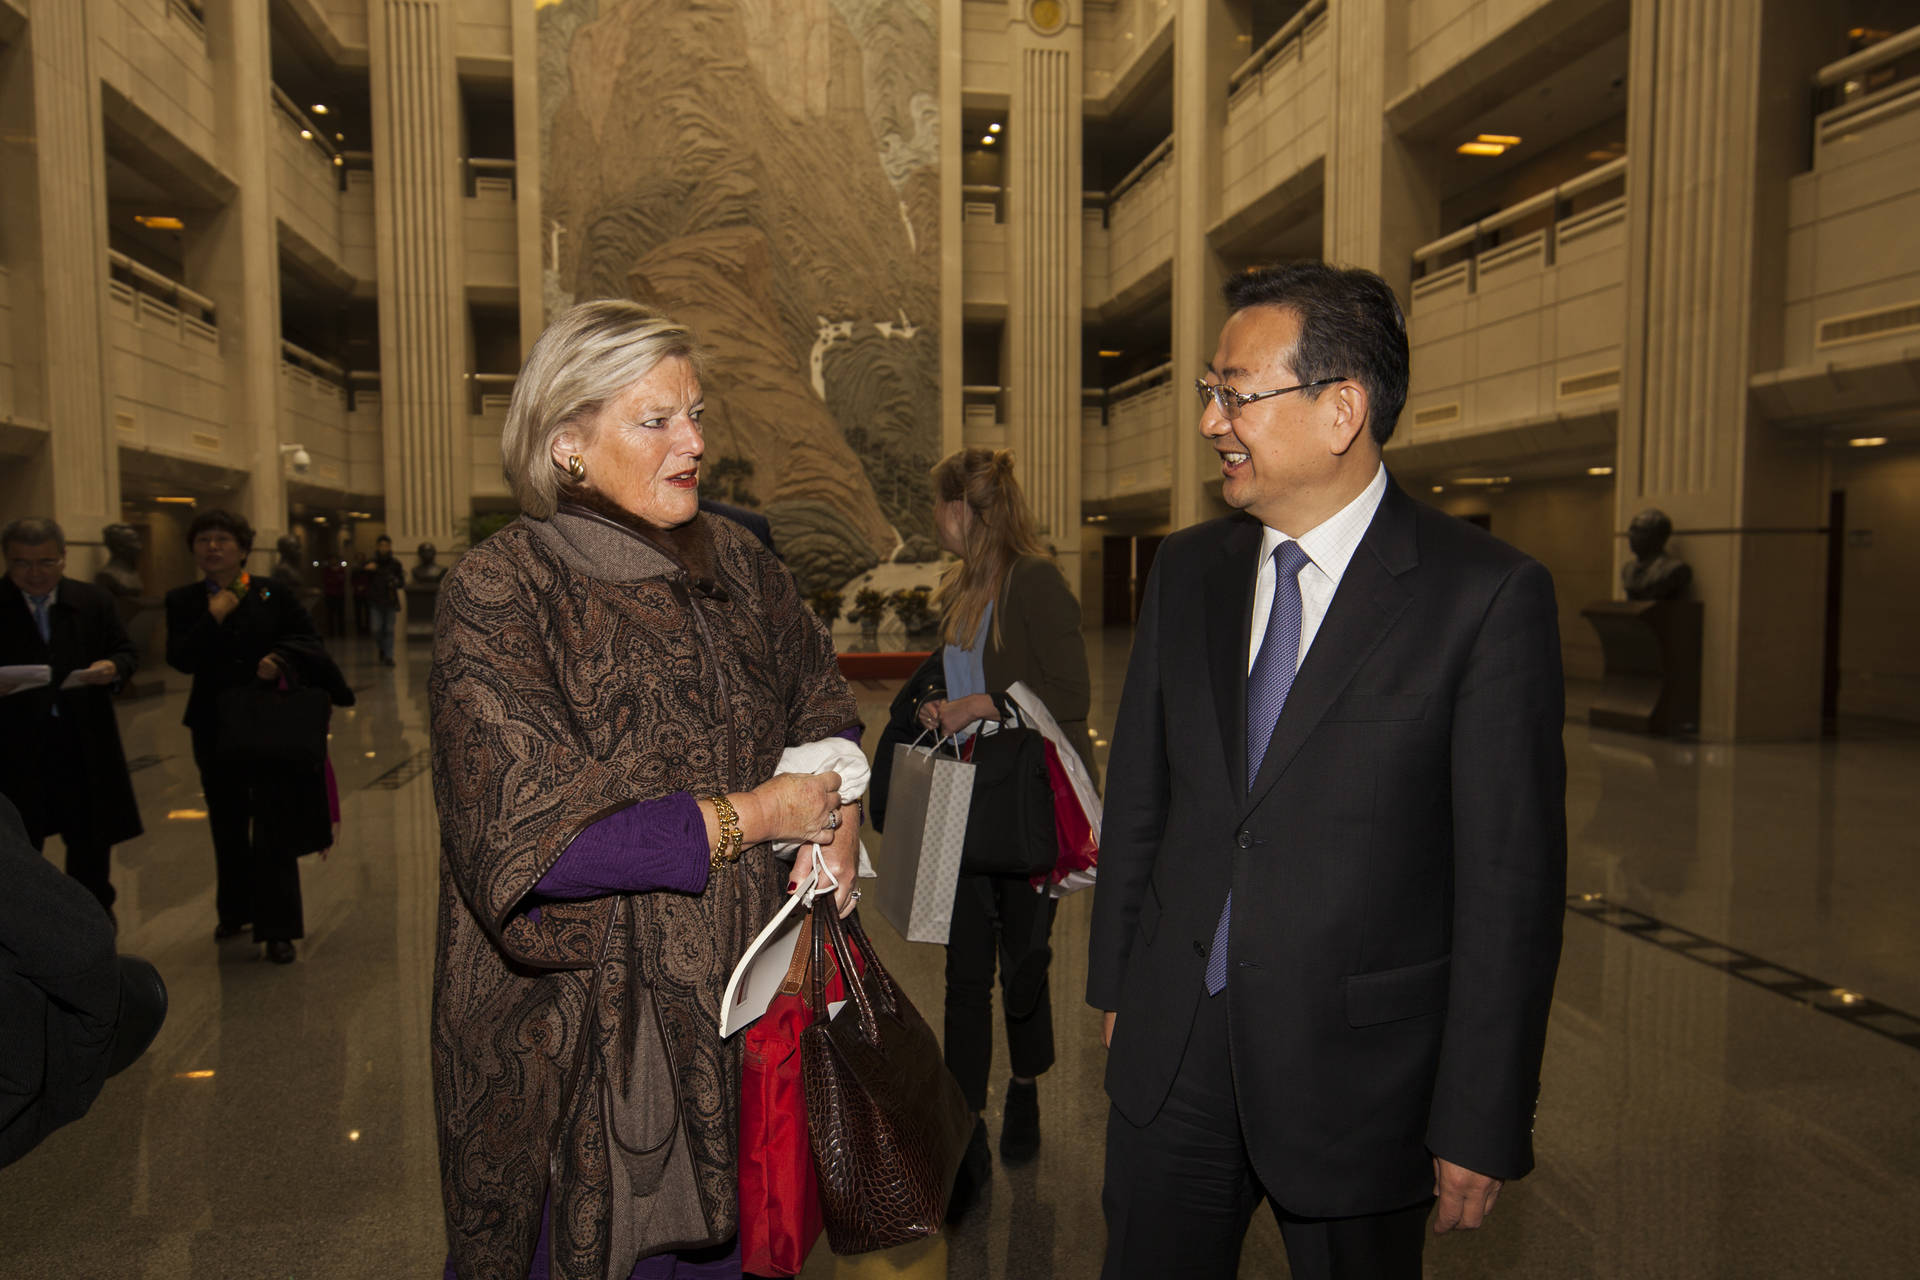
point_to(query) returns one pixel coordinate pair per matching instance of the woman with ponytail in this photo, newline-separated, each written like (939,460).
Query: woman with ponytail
(1006,615)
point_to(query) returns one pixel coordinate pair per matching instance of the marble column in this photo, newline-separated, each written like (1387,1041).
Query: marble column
(1206,48)
(1044,261)
(1717,121)
(952,237)
(419,249)
(1379,205)
(236,262)
(82,475)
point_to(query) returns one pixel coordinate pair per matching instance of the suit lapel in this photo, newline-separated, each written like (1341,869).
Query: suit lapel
(17,625)
(1368,603)
(1227,593)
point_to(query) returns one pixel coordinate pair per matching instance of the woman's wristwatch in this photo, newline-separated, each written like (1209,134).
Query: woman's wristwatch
(727,851)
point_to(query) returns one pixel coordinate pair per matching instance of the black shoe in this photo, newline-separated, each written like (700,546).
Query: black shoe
(280,951)
(1020,1130)
(976,1167)
(221,932)
(143,1007)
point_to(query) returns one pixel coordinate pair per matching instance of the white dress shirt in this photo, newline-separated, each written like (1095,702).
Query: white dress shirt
(1329,546)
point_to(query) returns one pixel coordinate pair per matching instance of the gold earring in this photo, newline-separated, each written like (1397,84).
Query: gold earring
(575,467)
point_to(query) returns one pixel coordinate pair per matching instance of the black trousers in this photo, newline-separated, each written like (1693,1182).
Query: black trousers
(252,884)
(1181,1190)
(998,916)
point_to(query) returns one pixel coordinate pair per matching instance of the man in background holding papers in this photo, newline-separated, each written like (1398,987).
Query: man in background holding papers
(62,654)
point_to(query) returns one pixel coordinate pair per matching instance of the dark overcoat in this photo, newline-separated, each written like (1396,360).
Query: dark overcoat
(91,799)
(580,667)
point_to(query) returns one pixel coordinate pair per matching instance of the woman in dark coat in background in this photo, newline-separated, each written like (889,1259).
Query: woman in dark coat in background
(229,630)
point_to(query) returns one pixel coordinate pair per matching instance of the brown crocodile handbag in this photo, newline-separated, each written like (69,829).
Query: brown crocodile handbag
(885,1118)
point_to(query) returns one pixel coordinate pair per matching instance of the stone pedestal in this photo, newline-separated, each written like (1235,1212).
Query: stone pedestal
(1652,654)
(422,599)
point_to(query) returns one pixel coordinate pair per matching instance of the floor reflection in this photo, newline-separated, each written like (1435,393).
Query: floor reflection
(1695,1121)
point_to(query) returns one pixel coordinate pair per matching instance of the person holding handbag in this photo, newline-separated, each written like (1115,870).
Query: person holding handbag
(617,678)
(232,632)
(1007,615)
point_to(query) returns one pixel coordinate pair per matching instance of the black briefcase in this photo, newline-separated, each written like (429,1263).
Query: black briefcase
(1010,828)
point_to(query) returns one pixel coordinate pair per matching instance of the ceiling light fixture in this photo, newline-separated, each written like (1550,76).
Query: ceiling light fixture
(986,140)
(1867,442)
(1109,353)
(185,502)
(994,127)
(1481,149)
(319,108)
(306,135)
(1483,480)
(1498,139)
(159,222)
(1599,471)
(1439,488)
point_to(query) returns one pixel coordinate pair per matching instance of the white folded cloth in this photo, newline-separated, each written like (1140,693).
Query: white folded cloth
(830,755)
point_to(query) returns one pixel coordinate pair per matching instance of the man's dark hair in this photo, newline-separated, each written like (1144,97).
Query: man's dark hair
(1350,327)
(34,531)
(218,518)
(383,538)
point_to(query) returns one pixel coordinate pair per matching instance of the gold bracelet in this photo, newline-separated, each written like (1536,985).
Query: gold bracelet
(727,852)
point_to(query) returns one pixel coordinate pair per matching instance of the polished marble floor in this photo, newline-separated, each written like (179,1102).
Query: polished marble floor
(1732,1084)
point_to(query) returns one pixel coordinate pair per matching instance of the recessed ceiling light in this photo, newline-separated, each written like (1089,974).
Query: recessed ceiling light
(1499,139)
(994,127)
(1483,480)
(986,140)
(1867,442)
(306,135)
(159,222)
(1108,353)
(185,502)
(1599,471)
(1439,488)
(1481,149)
(319,108)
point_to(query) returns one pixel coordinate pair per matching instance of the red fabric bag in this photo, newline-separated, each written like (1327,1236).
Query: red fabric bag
(1078,848)
(779,1190)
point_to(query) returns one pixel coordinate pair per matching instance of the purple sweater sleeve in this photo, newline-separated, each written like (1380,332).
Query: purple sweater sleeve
(649,845)
(652,844)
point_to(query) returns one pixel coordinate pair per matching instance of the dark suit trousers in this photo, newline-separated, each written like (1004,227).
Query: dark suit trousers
(998,915)
(252,883)
(1180,1191)
(89,860)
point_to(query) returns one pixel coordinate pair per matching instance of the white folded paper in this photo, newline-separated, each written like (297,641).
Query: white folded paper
(757,978)
(30,675)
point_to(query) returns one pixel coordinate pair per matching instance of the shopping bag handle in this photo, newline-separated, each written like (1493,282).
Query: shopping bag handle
(951,738)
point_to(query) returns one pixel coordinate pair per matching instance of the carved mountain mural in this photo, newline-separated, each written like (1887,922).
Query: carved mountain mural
(767,172)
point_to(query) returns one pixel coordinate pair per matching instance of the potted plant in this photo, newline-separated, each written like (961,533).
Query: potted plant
(869,606)
(826,604)
(914,608)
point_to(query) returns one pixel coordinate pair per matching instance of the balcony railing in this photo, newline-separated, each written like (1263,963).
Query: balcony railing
(1539,222)
(1868,89)
(1140,220)
(143,279)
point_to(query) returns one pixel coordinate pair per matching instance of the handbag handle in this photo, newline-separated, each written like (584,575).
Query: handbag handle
(835,928)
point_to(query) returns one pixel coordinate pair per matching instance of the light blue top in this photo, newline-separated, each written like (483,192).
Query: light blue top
(966,669)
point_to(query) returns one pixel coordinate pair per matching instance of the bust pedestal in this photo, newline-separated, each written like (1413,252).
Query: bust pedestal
(1652,654)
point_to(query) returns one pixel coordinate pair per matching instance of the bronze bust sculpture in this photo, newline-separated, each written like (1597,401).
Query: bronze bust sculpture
(287,569)
(120,577)
(1652,574)
(427,572)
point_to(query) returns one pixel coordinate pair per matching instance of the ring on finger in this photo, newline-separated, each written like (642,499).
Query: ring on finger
(833,821)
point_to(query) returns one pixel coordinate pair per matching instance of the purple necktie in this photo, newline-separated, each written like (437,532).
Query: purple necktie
(1267,687)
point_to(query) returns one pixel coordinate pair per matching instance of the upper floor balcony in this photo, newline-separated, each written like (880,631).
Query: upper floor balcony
(1853,260)
(1520,319)
(315,412)
(153,55)
(317,197)
(1131,451)
(489,396)
(492,227)
(1276,111)
(1139,230)
(165,372)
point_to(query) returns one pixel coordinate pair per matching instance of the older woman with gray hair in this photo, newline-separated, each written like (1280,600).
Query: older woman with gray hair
(616,677)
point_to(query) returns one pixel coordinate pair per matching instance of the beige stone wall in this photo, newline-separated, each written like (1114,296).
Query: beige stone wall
(1880,610)
(1567,525)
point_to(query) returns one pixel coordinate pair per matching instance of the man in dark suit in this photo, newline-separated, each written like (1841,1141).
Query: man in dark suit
(61,762)
(1334,857)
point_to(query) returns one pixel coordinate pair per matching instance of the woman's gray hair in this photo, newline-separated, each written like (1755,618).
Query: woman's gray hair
(590,354)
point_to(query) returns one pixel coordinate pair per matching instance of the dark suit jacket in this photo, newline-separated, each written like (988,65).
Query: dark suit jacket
(89,798)
(226,655)
(1398,869)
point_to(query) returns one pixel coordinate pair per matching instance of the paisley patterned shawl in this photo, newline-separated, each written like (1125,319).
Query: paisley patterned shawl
(578,668)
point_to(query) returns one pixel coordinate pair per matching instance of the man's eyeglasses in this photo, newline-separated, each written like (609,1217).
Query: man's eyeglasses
(1231,402)
(28,566)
